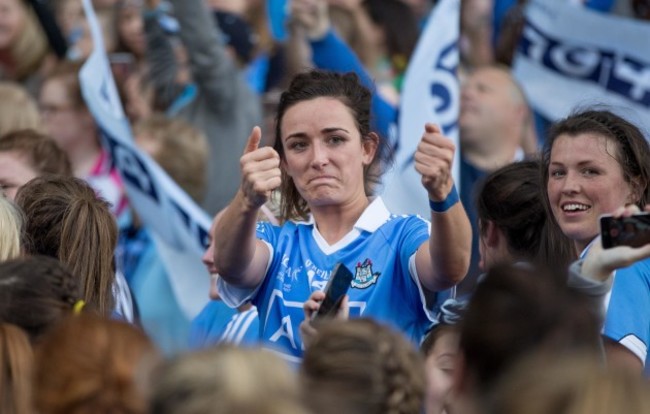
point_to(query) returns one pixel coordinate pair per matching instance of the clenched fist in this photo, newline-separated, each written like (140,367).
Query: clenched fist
(260,169)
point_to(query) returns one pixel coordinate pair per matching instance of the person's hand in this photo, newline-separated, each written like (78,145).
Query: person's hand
(307,328)
(260,169)
(312,15)
(599,263)
(433,159)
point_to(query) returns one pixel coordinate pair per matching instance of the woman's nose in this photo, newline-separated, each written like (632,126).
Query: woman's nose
(571,184)
(320,156)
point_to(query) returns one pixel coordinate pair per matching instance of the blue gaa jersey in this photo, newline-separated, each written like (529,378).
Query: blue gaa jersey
(628,311)
(380,251)
(243,328)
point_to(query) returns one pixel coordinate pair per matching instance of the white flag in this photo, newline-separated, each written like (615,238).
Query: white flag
(430,93)
(572,57)
(179,227)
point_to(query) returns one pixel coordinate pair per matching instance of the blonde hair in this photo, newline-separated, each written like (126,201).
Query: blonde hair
(31,47)
(180,149)
(11,230)
(16,365)
(224,380)
(18,110)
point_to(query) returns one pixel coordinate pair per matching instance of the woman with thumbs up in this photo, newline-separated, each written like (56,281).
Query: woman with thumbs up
(325,163)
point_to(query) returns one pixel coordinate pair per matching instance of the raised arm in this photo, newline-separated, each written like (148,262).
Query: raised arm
(213,69)
(443,260)
(239,257)
(330,52)
(162,67)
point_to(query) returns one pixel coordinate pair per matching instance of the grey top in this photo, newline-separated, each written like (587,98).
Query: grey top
(225,108)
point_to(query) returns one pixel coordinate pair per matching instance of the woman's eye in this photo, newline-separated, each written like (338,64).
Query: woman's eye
(297,145)
(336,139)
(590,171)
(557,173)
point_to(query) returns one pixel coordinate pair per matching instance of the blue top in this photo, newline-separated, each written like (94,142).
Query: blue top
(627,320)
(380,251)
(209,325)
(159,312)
(243,328)
(332,53)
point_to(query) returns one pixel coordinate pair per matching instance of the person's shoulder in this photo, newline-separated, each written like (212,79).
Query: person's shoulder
(407,219)
(639,269)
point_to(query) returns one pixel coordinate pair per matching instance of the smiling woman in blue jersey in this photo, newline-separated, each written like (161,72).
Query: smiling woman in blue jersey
(326,163)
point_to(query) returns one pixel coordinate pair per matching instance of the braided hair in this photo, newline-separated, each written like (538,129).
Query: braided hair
(362,366)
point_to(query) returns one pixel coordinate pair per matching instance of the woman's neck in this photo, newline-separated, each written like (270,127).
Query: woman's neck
(334,222)
(83,158)
(581,245)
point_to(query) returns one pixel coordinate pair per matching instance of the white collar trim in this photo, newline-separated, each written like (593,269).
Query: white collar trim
(370,220)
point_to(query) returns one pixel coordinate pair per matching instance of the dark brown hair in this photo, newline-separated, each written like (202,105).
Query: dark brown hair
(518,310)
(512,198)
(36,293)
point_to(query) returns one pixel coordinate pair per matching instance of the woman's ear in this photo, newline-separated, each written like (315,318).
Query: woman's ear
(370,144)
(492,234)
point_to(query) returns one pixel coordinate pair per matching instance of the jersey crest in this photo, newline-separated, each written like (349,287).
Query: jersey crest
(364,276)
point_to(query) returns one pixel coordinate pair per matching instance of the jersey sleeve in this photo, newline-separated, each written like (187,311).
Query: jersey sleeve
(628,312)
(234,296)
(416,232)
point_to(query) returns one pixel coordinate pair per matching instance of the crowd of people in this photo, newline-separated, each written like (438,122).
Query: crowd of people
(502,300)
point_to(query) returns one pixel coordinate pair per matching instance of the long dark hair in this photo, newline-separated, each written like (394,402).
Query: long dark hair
(512,198)
(632,154)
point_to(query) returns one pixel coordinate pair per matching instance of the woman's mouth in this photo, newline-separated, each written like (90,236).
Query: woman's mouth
(575,207)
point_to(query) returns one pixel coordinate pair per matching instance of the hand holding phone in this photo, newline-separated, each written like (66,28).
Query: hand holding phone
(632,231)
(335,291)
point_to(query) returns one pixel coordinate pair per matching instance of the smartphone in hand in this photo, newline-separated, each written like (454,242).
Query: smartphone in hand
(633,231)
(335,290)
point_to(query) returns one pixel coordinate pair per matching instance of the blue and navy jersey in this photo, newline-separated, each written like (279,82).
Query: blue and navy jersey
(380,251)
(209,325)
(243,328)
(627,320)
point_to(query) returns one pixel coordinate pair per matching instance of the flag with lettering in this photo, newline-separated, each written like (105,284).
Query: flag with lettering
(571,57)
(179,227)
(430,93)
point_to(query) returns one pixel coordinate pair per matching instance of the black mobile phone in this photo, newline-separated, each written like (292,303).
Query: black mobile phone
(633,231)
(335,290)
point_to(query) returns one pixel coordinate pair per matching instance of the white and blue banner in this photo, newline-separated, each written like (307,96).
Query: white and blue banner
(572,57)
(179,227)
(430,93)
